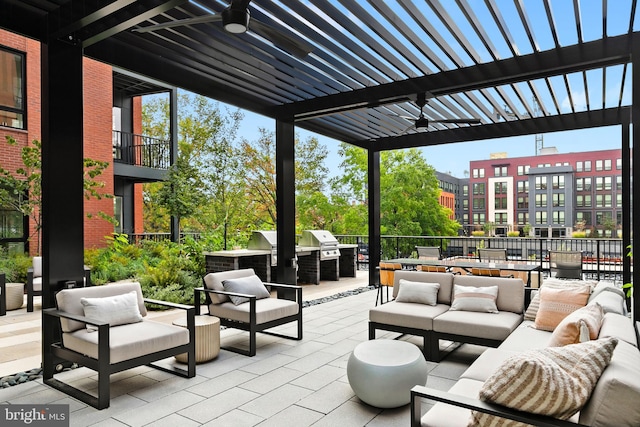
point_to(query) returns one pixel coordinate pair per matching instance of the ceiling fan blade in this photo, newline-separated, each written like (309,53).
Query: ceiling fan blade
(179,22)
(454,121)
(284,41)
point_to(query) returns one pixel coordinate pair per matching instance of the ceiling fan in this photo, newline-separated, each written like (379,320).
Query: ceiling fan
(423,122)
(236,19)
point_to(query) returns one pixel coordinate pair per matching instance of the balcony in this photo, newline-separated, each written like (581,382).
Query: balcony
(141,150)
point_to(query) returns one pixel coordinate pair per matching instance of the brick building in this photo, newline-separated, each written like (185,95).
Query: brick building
(112,133)
(552,192)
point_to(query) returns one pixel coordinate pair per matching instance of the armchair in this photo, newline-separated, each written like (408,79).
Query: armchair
(566,264)
(492,255)
(103,328)
(428,252)
(258,313)
(34,280)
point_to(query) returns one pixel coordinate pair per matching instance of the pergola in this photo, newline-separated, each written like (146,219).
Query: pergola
(347,69)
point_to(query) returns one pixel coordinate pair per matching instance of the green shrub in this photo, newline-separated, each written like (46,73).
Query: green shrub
(513,234)
(14,266)
(579,234)
(477,233)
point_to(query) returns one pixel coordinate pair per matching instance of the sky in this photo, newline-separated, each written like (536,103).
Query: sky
(454,158)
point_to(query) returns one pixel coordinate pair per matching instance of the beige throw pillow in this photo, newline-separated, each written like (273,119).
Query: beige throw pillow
(534,305)
(116,310)
(417,292)
(249,285)
(471,298)
(554,381)
(580,326)
(556,304)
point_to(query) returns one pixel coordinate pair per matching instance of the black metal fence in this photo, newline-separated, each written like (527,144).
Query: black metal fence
(140,150)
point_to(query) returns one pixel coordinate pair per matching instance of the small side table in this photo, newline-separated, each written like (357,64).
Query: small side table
(15,295)
(207,338)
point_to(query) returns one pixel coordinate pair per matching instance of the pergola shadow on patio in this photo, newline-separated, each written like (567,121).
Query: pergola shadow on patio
(339,69)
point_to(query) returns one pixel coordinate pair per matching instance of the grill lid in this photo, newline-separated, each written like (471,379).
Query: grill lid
(317,238)
(263,239)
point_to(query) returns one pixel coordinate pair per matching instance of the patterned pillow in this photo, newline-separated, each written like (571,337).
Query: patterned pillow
(554,381)
(580,326)
(556,304)
(418,292)
(534,305)
(471,298)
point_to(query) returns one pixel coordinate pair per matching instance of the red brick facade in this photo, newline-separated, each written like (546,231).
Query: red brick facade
(97,128)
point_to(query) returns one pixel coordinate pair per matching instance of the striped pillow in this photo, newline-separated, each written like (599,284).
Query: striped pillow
(471,298)
(556,304)
(534,305)
(554,381)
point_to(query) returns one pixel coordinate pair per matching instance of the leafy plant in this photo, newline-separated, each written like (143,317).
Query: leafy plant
(629,286)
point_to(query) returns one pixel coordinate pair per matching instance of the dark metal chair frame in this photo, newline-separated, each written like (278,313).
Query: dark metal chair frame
(489,255)
(31,292)
(55,353)
(566,264)
(284,291)
(429,251)
(3,294)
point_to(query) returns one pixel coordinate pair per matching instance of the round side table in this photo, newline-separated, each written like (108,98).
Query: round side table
(383,372)
(15,295)
(207,338)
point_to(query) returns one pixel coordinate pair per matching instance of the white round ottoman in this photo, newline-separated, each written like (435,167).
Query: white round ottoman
(383,372)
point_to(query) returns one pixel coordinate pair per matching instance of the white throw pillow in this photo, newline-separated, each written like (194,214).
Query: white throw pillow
(418,292)
(471,298)
(116,310)
(250,285)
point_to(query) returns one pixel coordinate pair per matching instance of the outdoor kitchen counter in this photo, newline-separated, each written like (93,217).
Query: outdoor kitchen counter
(236,259)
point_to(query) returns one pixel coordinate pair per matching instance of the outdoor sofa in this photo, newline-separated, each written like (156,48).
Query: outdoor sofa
(606,392)
(436,322)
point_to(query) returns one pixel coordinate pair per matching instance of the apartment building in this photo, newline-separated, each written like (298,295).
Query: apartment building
(555,193)
(112,133)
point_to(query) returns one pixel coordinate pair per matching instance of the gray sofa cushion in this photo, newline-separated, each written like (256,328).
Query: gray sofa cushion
(267,309)
(444,279)
(493,326)
(128,341)
(619,326)
(526,337)
(407,314)
(614,401)
(486,364)
(443,415)
(510,291)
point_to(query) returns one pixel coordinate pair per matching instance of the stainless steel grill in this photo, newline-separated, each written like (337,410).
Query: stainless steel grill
(323,240)
(265,240)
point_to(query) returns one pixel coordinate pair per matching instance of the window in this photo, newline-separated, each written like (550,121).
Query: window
(465,190)
(558,217)
(599,200)
(501,218)
(478,173)
(608,201)
(523,202)
(478,218)
(523,218)
(541,200)
(465,204)
(12,89)
(541,217)
(521,170)
(523,186)
(478,188)
(599,166)
(558,200)
(541,182)
(607,164)
(607,182)
(579,167)
(558,182)
(13,229)
(584,216)
(618,183)
(500,203)
(603,216)
(618,164)
(583,184)
(501,187)
(619,200)
(587,166)
(465,218)
(600,182)
(478,203)
(500,171)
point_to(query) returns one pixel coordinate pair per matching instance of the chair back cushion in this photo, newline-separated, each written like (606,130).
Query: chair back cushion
(68,300)
(214,281)
(444,279)
(510,291)
(37,266)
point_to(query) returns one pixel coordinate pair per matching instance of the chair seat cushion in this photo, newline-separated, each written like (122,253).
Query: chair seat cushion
(493,326)
(407,314)
(267,309)
(37,284)
(128,341)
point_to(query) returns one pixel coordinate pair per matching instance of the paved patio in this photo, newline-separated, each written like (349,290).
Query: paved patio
(288,383)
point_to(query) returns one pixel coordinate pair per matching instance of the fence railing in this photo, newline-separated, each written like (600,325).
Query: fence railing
(141,150)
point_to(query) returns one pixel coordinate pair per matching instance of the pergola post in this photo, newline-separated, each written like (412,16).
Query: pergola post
(286,271)
(373,195)
(173,151)
(635,172)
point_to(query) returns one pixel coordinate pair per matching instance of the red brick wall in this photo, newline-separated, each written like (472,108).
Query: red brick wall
(98,105)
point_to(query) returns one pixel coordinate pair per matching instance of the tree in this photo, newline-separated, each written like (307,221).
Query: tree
(202,187)
(409,192)
(260,178)
(21,190)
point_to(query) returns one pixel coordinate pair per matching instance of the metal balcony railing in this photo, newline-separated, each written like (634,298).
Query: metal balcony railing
(140,150)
